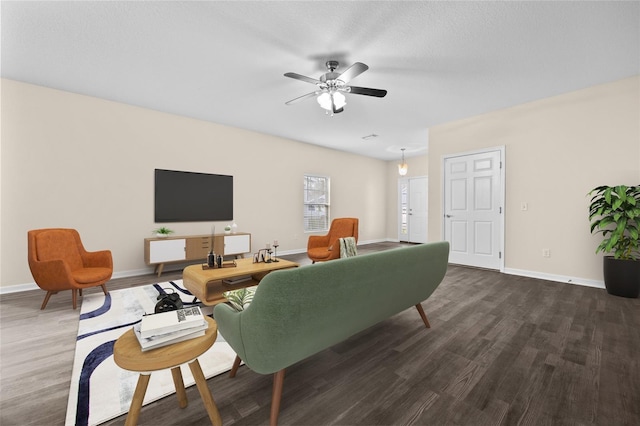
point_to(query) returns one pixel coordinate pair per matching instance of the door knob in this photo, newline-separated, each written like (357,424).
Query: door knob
(448,215)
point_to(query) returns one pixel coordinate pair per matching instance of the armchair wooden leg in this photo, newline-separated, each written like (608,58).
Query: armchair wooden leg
(74,297)
(104,289)
(423,315)
(46,299)
(278,381)
(234,369)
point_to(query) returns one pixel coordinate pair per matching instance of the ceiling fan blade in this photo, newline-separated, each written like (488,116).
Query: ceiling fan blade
(353,71)
(302,98)
(302,77)
(378,93)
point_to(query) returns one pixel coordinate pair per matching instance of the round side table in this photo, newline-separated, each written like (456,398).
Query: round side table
(128,355)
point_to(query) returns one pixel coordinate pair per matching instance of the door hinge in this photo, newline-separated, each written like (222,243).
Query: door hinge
(501,164)
(499,255)
(500,210)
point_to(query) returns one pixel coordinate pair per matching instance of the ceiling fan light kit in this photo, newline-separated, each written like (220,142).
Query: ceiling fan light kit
(332,101)
(333,85)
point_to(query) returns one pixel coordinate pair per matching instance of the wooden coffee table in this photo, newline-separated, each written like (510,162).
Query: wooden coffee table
(207,284)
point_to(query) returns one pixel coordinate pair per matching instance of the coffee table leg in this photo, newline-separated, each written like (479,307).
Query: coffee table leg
(138,398)
(205,393)
(181,393)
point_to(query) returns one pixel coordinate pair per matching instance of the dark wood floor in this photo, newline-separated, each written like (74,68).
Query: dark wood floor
(501,350)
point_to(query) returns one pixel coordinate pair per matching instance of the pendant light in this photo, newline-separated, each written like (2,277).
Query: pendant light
(403,168)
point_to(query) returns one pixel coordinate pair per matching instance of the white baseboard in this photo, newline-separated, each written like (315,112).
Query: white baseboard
(33,286)
(18,288)
(137,272)
(553,277)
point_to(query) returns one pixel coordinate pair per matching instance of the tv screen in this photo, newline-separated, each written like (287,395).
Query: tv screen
(192,197)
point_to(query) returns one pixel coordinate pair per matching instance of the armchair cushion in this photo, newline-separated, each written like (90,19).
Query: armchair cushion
(91,275)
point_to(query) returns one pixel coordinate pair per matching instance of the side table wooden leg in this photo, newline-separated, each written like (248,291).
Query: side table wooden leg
(181,393)
(138,398)
(205,393)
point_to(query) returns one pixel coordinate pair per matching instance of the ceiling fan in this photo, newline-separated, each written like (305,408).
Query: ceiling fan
(332,85)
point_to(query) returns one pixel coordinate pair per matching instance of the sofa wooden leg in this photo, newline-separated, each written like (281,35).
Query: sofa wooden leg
(278,381)
(104,289)
(46,299)
(74,297)
(423,315)
(234,369)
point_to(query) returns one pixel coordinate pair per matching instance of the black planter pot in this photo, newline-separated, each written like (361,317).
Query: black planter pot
(622,277)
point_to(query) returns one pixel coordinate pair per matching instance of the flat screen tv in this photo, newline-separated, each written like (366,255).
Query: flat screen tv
(192,197)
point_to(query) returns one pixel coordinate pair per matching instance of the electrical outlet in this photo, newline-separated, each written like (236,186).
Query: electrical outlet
(546,252)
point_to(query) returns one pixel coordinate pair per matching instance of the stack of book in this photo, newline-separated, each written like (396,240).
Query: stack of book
(167,328)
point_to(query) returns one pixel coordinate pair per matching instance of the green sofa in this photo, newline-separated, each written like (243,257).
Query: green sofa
(298,312)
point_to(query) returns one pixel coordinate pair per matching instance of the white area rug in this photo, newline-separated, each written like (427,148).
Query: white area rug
(100,390)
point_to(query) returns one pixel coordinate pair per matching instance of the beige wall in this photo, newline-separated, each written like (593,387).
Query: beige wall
(82,162)
(557,150)
(87,163)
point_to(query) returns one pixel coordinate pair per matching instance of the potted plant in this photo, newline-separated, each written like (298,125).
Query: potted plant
(615,213)
(227,229)
(163,232)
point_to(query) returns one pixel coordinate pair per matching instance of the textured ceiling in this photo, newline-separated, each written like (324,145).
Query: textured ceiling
(224,61)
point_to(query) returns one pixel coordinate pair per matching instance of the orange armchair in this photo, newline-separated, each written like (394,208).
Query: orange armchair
(58,261)
(321,248)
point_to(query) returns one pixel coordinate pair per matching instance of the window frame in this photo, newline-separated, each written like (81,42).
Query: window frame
(307,218)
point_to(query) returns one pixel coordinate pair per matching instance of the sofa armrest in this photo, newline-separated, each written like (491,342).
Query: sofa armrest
(228,320)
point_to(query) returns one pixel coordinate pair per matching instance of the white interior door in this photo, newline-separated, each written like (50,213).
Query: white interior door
(418,203)
(473,199)
(412,210)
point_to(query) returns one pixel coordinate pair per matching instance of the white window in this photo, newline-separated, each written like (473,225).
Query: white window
(316,203)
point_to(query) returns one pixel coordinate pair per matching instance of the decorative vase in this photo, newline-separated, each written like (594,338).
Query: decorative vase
(234,228)
(162,235)
(622,277)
